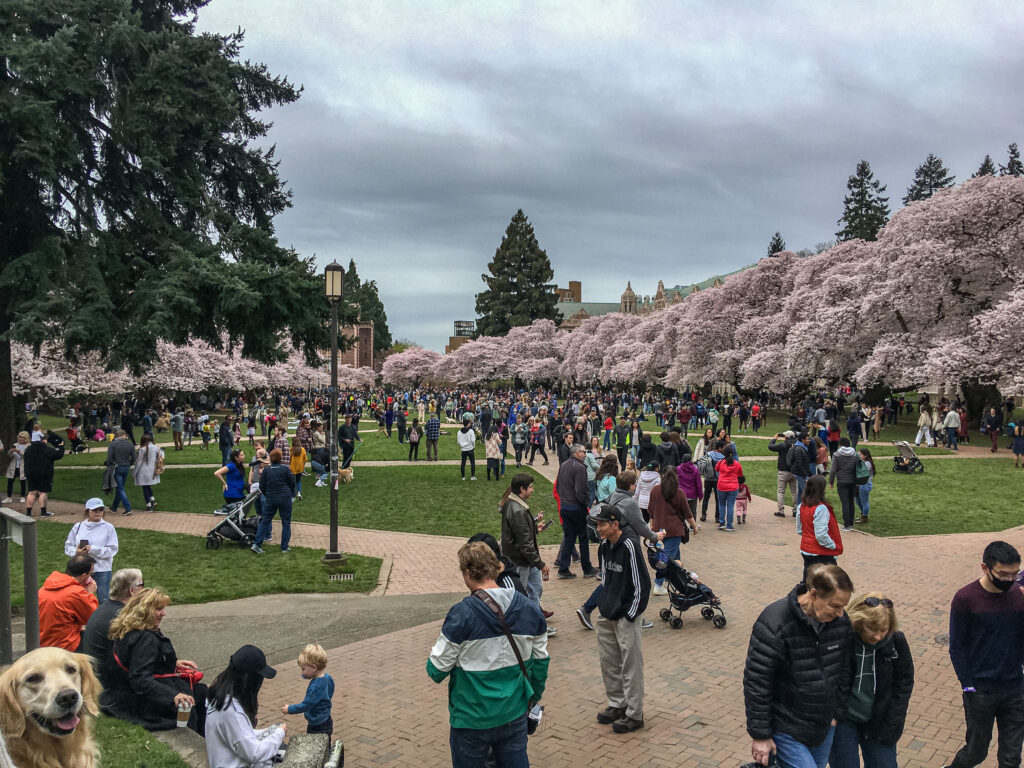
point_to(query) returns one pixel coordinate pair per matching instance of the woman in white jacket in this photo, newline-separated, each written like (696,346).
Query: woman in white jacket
(144,473)
(96,537)
(232,739)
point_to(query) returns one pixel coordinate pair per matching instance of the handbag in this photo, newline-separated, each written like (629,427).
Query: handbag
(534,712)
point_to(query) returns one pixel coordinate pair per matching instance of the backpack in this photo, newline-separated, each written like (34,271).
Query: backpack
(706,466)
(863,475)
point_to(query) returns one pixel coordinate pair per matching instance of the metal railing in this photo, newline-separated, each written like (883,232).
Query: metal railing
(21,529)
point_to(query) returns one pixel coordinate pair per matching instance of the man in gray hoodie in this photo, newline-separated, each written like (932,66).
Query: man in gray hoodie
(843,473)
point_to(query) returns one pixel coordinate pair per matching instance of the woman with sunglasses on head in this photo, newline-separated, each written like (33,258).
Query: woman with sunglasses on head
(883,679)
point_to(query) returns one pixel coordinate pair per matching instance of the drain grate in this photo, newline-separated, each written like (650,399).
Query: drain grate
(341,577)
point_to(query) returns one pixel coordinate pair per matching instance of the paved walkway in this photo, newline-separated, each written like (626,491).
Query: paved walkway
(389,713)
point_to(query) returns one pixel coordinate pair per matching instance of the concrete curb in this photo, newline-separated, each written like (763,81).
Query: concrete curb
(383,576)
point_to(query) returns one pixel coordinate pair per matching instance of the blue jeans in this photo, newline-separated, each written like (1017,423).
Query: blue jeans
(607,439)
(533,582)
(574,528)
(951,438)
(470,747)
(728,502)
(862,498)
(320,470)
(591,603)
(102,579)
(854,438)
(298,483)
(272,506)
(120,497)
(592,490)
(801,483)
(672,550)
(225,455)
(794,754)
(846,742)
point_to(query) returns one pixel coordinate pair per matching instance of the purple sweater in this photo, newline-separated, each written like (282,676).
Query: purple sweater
(690,482)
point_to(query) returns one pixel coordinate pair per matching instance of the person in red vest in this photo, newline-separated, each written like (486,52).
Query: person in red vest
(820,540)
(66,601)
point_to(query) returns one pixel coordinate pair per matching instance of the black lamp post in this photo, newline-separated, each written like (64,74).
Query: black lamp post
(334,289)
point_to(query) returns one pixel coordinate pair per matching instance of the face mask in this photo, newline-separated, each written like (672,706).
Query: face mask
(1003,585)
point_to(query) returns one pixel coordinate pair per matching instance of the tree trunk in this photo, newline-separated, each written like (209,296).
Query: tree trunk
(979,398)
(9,410)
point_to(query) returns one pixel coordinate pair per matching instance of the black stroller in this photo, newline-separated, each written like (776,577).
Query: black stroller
(907,461)
(238,524)
(684,591)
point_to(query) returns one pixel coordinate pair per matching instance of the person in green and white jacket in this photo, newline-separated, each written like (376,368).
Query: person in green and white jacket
(488,694)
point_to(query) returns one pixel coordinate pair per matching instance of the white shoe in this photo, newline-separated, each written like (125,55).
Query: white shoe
(6,501)
(298,495)
(318,484)
(659,591)
(22,499)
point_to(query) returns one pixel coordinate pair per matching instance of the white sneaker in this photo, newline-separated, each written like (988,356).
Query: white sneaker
(6,501)
(318,484)
(659,591)
(298,495)
(22,499)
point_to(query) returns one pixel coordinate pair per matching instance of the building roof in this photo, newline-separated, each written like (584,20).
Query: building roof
(685,289)
(569,308)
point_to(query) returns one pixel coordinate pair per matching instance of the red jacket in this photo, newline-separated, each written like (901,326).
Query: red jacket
(64,608)
(728,476)
(808,541)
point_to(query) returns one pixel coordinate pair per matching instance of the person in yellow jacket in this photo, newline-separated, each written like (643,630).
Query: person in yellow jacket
(297,464)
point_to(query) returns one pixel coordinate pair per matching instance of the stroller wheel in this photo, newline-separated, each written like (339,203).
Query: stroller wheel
(707,613)
(212,542)
(676,623)
(719,622)
(919,469)
(665,614)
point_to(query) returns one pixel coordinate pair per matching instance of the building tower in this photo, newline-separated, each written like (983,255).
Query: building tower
(627,302)
(660,302)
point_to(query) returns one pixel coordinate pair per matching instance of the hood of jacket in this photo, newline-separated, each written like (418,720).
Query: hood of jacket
(57,581)
(649,475)
(465,429)
(846,451)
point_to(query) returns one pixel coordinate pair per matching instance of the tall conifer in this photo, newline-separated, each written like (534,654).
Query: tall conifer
(865,210)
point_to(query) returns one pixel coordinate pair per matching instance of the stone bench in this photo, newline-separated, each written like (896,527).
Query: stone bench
(305,750)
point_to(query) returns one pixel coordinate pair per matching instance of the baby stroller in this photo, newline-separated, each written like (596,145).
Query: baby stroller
(907,461)
(78,445)
(685,591)
(237,525)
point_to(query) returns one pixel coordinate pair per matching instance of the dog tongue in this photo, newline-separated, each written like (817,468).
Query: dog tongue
(68,723)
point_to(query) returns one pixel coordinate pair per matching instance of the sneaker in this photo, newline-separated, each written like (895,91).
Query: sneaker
(256,549)
(48,513)
(318,484)
(659,590)
(645,624)
(780,514)
(575,556)
(6,501)
(473,477)
(22,499)
(721,527)
(298,496)
(590,574)
(268,540)
(127,512)
(627,724)
(847,527)
(285,550)
(584,617)
(566,575)
(730,530)
(463,478)
(609,715)
(552,631)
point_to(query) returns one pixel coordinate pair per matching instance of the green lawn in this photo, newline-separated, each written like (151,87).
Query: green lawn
(123,745)
(415,499)
(952,496)
(190,573)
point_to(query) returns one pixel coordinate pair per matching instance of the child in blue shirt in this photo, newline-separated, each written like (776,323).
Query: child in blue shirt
(317,704)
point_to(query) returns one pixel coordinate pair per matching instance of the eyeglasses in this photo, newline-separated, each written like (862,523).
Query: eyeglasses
(874,602)
(1005,576)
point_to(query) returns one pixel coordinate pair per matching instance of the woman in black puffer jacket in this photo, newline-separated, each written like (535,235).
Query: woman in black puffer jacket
(883,679)
(797,677)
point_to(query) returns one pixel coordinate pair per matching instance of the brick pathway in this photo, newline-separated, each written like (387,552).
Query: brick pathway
(389,713)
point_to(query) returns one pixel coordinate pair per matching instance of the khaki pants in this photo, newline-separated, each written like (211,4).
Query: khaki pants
(786,478)
(622,664)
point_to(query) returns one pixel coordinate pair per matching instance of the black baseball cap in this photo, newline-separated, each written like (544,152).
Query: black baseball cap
(249,658)
(609,513)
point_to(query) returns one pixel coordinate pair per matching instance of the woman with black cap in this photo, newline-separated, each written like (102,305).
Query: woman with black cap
(232,740)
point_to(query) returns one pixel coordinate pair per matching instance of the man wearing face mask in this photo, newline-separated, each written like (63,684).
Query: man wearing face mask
(986,646)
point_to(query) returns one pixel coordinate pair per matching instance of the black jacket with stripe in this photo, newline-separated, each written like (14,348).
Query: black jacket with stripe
(627,583)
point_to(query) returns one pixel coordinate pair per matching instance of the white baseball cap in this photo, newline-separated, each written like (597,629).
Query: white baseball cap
(95,503)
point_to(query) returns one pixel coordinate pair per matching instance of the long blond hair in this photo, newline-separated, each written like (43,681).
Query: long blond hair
(139,612)
(872,617)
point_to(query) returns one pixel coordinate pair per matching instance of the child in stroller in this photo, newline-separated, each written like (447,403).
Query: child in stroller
(237,525)
(907,461)
(685,590)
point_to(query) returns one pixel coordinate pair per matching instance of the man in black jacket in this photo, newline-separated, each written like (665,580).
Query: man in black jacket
(565,448)
(627,585)
(800,466)
(785,477)
(573,498)
(225,440)
(797,676)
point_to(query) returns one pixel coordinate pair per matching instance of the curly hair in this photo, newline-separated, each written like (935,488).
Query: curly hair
(477,560)
(139,612)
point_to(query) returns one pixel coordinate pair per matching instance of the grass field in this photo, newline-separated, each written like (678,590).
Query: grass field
(123,745)
(952,496)
(190,573)
(414,499)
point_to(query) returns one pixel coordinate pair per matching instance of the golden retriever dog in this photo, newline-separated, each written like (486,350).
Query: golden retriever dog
(48,699)
(345,476)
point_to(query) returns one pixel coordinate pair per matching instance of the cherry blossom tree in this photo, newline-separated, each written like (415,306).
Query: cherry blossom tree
(410,367)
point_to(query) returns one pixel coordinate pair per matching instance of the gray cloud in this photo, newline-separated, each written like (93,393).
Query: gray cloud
(644,141)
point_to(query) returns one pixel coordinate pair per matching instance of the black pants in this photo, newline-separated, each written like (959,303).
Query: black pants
(401,433)
(846,493)
(414,450)
(519,454)
(710,489)
(495,465)
(10,486)
(981,710)
(810,560)
(431,446)
(622,458)
(327,726)
(346,457)
(535,449)
(472,463)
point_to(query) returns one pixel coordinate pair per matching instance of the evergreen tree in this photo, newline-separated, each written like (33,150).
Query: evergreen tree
(987,168)
(776,245)
(929,178)
(865,210)
(1013,167)
(364,306)
(519,288)
(136,195)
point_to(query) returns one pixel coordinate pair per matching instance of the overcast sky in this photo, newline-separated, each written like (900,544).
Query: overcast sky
(644,141)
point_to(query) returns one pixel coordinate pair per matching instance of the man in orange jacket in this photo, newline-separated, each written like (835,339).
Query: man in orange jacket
(66,602)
